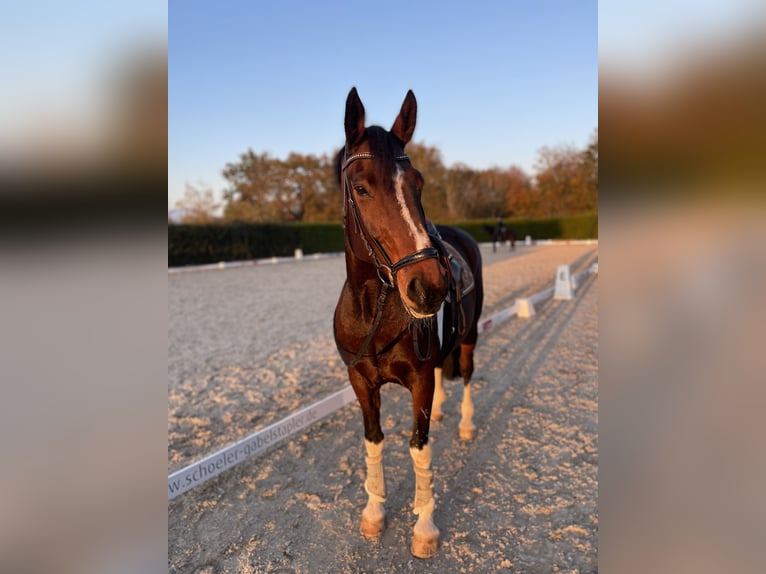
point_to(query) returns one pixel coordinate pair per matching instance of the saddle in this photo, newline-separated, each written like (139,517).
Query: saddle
(451,318)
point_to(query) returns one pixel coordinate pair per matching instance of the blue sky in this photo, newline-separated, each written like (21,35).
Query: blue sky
(495,81)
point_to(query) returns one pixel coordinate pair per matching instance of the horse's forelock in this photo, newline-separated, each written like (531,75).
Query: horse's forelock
(381,144)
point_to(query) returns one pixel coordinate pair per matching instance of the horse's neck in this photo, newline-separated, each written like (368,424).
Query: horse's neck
(361,276)
(364,284)
(359,267)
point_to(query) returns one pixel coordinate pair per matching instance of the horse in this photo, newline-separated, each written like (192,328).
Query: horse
(500,234)
(402,275)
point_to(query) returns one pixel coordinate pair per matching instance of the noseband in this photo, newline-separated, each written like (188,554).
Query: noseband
(386,269)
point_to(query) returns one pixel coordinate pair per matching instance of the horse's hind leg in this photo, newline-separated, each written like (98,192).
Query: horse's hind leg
(466,428)
(425,534)
(440,396)
(374,514)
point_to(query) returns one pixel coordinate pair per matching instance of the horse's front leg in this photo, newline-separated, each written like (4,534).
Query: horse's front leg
(425,534)
(374,514)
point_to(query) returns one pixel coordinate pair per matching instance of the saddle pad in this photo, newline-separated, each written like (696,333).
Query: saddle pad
(461,272)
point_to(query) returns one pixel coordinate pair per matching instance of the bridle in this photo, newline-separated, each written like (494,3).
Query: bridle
(386,269)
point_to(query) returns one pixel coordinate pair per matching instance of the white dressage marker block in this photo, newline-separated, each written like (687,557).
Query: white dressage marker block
(525,308)
(528,240)
(565,286)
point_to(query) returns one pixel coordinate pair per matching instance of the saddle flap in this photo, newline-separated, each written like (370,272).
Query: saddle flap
(461,272)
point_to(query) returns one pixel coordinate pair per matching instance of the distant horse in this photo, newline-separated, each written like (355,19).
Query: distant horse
(500,234)
(401,271)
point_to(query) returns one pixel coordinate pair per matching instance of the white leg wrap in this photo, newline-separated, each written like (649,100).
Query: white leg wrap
(375,485)
(374,514)
(466,427)
(439,396)
(421,462)
(426,535)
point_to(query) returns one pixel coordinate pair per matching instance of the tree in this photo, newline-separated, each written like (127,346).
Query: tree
(459,191)
(197,206)
(589,166)
(476,194)
(303,187)
(253,183)
(567,180)
(262,188)
(306,194)
(521,197)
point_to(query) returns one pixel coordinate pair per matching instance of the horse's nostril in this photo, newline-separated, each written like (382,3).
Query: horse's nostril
(416,290)
(425,296)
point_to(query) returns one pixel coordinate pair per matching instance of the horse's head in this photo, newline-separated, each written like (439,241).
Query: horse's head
(382,206)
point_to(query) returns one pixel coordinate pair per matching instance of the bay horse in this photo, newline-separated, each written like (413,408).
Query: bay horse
(404,279)
(500,234)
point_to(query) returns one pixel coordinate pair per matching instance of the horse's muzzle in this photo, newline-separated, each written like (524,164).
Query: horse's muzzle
(424,290)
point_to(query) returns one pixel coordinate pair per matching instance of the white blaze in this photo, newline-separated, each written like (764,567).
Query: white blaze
(420,237)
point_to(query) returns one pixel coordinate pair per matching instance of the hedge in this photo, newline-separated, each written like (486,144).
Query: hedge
(570,227)
(211,243)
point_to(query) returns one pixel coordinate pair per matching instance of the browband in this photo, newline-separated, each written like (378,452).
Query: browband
(357,156)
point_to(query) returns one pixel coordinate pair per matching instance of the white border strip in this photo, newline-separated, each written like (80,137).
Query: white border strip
(214,464)
(498,317)
(251,262)
(559,242)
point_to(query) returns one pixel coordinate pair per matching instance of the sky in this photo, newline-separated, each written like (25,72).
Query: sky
(495,80)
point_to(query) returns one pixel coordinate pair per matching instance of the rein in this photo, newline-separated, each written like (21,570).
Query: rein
(386,271)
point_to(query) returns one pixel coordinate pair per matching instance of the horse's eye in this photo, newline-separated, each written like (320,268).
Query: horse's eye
(360,190)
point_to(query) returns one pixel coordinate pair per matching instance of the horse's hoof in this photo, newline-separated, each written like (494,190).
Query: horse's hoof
(467,433)
(437,416)
(372,528)
(424,546)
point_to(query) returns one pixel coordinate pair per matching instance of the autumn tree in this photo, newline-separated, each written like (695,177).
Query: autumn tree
(589,166)
(303,187)
(521,197)
(476,193)
(567,180)
(263,188)
(459,194)
(253,188)
(197,206)
(309,189)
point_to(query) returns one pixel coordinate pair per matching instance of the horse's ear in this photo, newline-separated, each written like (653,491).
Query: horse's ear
(354,121)
(404,126)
